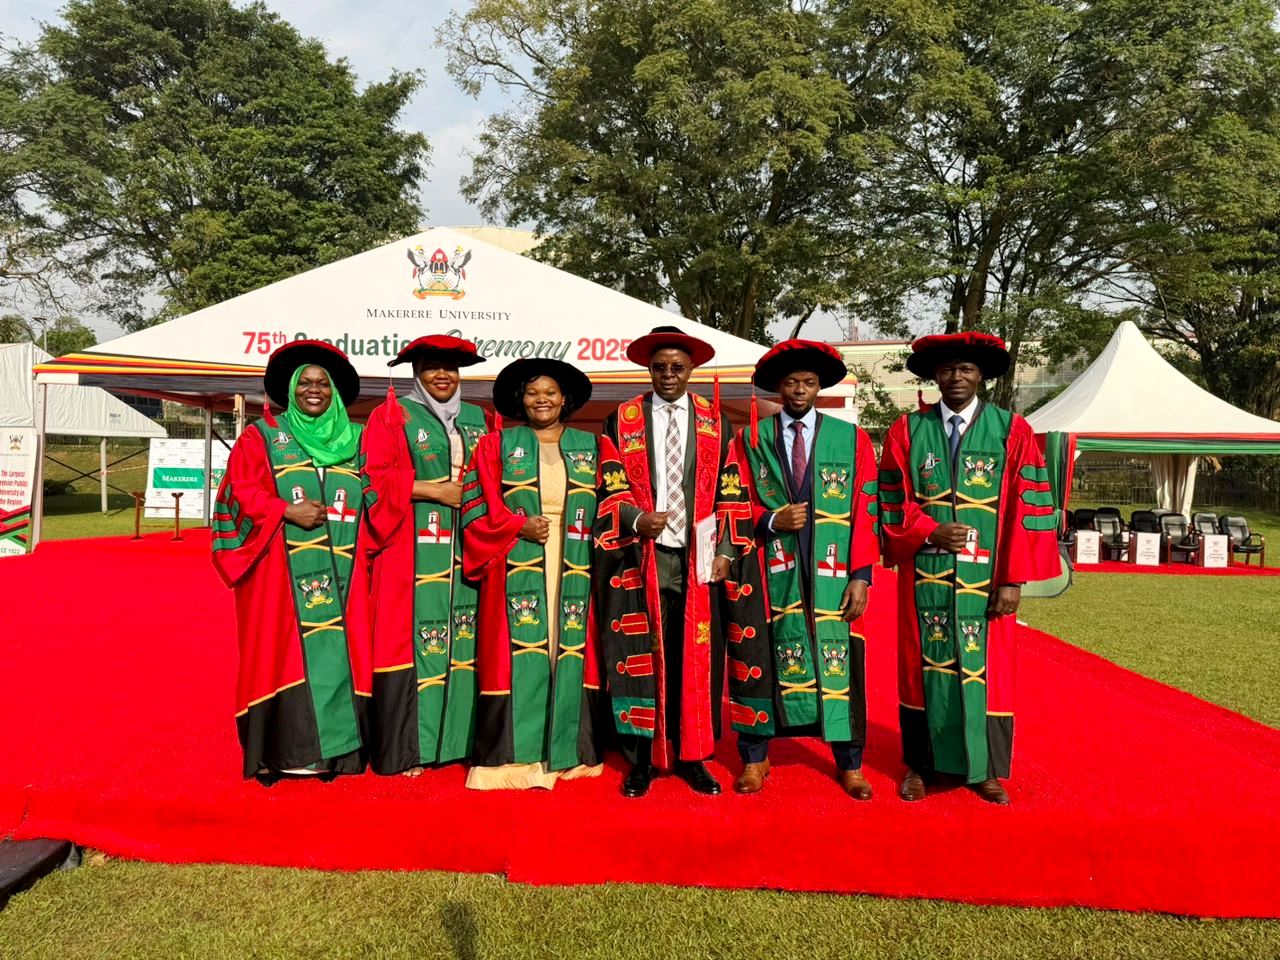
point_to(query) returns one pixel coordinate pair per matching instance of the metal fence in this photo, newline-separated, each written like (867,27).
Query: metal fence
(72,464)
(178,428)
(1238,482)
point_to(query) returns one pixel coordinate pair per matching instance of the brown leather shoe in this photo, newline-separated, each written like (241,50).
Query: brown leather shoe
(992,791)
(752,778)
(912,787)
(854,784)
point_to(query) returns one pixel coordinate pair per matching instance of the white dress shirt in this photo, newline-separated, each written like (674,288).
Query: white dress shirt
(966,415)
(662,414)
(810,421)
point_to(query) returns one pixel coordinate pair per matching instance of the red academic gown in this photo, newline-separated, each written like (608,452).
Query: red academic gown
(1022,556)
(391,472)
(752,669)
(274,716)
(488,540)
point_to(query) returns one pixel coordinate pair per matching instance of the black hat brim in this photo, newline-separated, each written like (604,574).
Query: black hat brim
(992,361)
(284,362)
(508,386)
(770,373)
(457,356)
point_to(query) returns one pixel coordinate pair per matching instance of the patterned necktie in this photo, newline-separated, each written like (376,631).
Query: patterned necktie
(799,460)
(955,422)
(675,476)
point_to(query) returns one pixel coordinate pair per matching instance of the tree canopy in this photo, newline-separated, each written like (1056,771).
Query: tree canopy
(191,150)
(1040,168)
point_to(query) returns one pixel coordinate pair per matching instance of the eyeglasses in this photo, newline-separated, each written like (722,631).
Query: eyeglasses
(677,369)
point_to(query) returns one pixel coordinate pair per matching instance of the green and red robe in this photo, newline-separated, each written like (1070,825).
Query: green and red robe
(795,667)
(635,664)
(528,712)
(956,661)
(424,611)
(301,604)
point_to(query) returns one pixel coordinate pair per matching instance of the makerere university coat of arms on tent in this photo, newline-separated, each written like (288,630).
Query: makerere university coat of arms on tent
(439,275)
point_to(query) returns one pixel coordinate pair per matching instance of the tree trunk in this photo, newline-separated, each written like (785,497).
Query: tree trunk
(746,314)
(978,279)
(795,331)
(958,291)
(1006,388)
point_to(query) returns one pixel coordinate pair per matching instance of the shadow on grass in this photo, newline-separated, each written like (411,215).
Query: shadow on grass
(459,922)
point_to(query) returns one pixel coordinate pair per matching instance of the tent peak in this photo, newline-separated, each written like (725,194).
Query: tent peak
(1131,390)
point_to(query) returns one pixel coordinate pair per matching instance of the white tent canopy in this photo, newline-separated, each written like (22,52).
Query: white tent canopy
(371,304)
(1131,389)
(1131,400)
(70,410)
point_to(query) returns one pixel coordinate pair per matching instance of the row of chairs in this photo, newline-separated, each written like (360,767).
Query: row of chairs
(1180,541)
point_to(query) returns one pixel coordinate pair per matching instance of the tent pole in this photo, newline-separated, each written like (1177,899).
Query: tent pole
(102,471)
(37,492)
(239,407)
(208,461)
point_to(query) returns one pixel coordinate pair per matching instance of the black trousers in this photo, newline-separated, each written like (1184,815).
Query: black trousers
(672,566)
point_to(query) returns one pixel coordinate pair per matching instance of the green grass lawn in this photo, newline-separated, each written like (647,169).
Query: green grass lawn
(130,910)
(76,515)
(1212,636)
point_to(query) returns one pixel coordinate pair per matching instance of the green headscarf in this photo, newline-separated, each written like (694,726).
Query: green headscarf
(329,438)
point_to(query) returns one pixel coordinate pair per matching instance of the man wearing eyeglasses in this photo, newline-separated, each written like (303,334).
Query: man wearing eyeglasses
(665,683)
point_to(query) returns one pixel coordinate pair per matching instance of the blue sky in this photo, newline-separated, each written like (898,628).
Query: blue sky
(376,37)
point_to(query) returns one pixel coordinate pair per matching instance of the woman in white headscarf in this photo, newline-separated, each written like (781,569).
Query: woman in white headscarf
(423,611)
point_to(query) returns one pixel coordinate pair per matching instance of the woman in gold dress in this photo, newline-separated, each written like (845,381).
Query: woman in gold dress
(537,497)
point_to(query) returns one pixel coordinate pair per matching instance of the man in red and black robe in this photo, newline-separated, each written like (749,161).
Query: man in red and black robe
(673,445)
(799,499)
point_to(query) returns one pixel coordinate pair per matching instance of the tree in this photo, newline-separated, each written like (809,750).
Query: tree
(223,150)
(60,336)
(35,270)
(684,151)
(15,329)
(68,335)
(1206,263)
(1008,188)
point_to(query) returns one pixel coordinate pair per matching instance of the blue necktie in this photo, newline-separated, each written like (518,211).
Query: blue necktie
(955,422)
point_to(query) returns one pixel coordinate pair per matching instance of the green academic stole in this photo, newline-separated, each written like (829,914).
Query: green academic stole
(444,604)
(952,590)
(534,685)
(811,653)
(320,563)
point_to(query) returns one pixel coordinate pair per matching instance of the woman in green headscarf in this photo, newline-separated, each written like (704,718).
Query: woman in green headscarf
(289,538)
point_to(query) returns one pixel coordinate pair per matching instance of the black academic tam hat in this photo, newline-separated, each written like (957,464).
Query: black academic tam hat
(508,386)
(301,353)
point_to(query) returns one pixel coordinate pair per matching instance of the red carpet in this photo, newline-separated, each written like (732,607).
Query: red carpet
(116,732)
(1181,569)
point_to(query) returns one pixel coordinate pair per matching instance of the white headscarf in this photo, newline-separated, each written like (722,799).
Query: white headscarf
(446,412)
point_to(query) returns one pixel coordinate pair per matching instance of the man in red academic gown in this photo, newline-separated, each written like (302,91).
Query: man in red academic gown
(967,517)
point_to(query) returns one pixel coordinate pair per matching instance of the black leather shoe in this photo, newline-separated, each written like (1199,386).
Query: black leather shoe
(636,783)
(696,775)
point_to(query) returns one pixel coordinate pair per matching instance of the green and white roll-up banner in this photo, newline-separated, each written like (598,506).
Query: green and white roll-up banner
(177,466)
(19,453)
